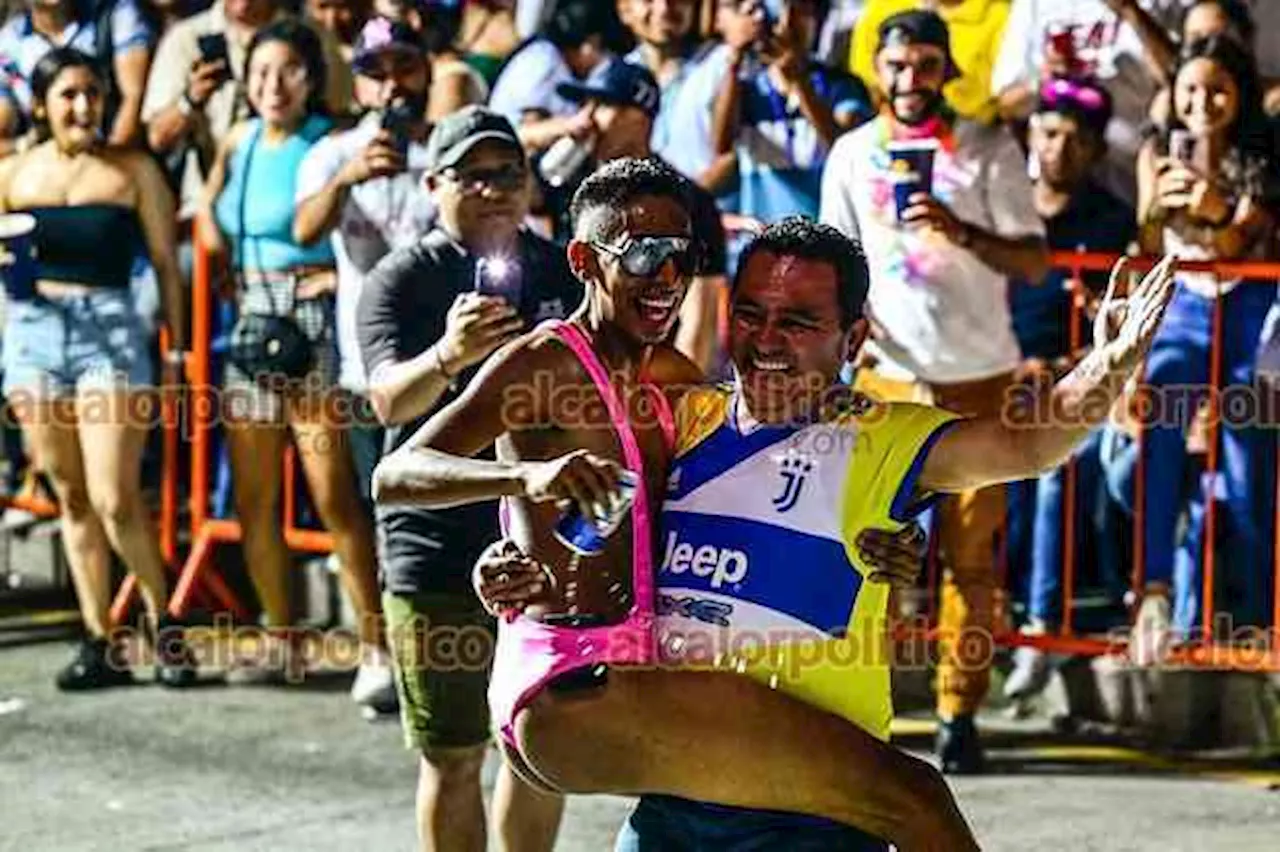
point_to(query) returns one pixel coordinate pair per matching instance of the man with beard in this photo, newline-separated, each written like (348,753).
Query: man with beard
(340,18)
(942,252)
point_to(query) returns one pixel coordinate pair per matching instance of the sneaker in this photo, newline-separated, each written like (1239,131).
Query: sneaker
(97,664)
(958,746)
(175,663)
(1152,630)
(1030,674)
(375,685)
(269,664)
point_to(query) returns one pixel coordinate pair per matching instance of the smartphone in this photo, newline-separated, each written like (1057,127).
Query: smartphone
(497,276)
(1182,147)
(398,120)
(213,47)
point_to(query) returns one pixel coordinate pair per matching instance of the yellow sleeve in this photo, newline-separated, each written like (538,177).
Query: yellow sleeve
(698,413)
(880,491)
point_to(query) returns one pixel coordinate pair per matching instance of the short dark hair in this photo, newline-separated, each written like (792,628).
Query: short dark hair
(307,45)
(800,236)
(1236,13)
(575,22)
(602,198)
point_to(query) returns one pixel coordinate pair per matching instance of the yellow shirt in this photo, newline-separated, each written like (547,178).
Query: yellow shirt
(759,572)
(976,27)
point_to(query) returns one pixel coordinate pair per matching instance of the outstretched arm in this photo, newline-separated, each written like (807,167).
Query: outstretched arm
(1021,444)
(436,468)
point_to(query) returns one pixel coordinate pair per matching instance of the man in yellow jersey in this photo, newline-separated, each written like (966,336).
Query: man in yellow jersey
(774,478)
(976,29)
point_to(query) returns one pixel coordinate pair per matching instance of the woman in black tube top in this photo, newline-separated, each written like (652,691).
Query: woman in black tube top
(78,370)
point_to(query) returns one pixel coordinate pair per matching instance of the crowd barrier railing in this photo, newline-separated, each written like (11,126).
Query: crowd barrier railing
(206,531)
(1206,649)
(205,416)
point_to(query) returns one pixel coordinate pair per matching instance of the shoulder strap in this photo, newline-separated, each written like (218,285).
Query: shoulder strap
(641,523)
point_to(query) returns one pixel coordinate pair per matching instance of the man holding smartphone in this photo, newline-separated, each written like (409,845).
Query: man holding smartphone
(423,330)
(360,188)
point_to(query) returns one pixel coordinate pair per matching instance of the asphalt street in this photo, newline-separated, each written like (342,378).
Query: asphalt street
(296,768)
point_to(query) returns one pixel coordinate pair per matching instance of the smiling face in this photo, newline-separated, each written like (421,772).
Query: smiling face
(74,108)
(661,23)
(645,308)
(785,335)
(1205,97)
(912,76)
(484,198)
(278,84)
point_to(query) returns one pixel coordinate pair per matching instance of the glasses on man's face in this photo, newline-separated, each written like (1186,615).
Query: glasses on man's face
(648,257)
(475,181)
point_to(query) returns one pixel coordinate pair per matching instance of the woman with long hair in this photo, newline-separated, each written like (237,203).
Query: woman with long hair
(1207,188)
(78,367)
(284,288)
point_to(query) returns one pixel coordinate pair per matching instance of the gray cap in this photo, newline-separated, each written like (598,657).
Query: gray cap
(460,131)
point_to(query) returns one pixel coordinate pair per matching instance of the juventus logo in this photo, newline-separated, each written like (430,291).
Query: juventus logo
(795,470)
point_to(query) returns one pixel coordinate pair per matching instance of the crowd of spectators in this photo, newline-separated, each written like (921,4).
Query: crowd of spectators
(324,154)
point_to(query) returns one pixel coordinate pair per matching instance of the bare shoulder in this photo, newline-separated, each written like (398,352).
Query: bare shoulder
(670,366)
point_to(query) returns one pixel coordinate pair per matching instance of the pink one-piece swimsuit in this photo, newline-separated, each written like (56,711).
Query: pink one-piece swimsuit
(529,653)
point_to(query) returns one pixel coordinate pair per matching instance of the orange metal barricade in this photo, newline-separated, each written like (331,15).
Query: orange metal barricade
(207,531)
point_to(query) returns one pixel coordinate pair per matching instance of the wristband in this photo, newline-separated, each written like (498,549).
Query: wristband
(444,371)
(186,104)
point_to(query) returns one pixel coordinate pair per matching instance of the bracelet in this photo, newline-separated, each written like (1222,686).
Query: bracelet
(186,104)
(444,371)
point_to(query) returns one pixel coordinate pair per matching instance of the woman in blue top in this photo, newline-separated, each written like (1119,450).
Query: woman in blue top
(246,222)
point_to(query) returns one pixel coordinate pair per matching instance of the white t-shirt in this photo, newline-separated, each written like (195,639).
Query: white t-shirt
(529,79)
(380,215)
(1114,53)
(945,312)
(682,128)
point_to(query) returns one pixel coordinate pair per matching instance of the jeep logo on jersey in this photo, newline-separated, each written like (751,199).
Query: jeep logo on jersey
(794,471)
(722,565)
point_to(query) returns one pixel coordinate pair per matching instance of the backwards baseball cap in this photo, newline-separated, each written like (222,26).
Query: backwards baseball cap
(620,83)
(918,26)
(382,35)
(458,132)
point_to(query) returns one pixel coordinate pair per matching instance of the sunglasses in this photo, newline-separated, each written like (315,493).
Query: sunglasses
(645,257)
(475,181)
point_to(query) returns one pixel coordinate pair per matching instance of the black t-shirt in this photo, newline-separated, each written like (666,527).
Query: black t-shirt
(401,313)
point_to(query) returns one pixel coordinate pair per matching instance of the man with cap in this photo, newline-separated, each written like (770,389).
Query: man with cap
(623,101)
(360,190)
(944,209)
(977,30)
(1067,137)
(430,313)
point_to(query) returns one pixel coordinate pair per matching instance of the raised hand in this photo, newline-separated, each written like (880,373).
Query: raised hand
(1125,327)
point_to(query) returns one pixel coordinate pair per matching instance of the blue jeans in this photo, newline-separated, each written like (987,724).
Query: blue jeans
(1178,368)
(667,824)
(1097,540)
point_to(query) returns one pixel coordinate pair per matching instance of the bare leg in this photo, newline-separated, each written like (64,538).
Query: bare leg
(256,451)
(326,459)
(661,732)
(112,444)
(50,428)
(450,806)
(524,819)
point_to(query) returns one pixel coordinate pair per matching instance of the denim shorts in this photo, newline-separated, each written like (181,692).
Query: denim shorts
(56,347)
(667,824)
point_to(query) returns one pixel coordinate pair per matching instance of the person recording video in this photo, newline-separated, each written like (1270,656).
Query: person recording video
(428,317)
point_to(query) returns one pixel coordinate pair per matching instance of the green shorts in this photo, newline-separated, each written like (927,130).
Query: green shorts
(442,648)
